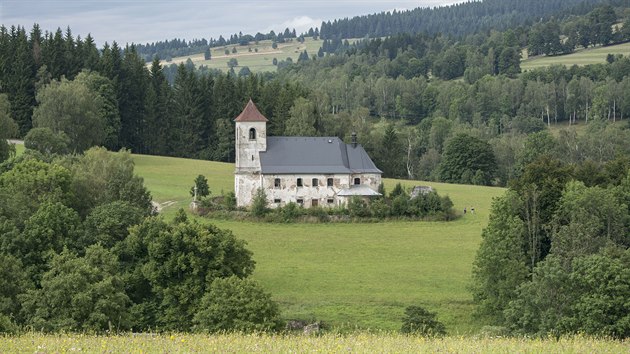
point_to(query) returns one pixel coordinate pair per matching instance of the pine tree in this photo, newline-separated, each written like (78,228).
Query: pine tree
(133,82)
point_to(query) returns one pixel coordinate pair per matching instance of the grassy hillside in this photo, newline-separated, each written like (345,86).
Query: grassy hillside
(348,275)
(595,55)
(328,343)
(257,61)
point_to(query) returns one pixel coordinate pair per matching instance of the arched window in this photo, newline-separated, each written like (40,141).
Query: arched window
(252,134)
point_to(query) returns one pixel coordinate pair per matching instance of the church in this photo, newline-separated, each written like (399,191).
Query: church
(309,171)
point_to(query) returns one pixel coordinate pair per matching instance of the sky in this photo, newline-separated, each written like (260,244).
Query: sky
(146,21)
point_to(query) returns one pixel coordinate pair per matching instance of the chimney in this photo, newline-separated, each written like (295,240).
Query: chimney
(354,139)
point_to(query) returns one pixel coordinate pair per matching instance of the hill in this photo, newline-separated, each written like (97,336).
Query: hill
(580,57)
(258,57)
(348,275)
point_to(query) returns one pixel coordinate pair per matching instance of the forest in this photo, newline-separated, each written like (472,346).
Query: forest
(426,104)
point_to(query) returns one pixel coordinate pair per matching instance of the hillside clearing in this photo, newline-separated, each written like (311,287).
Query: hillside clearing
(258,57)
(581,57)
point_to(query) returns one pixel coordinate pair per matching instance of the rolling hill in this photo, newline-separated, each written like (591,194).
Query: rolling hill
(596,55)
(348,275)
(258,57)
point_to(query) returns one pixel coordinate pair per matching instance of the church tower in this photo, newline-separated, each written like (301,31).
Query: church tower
(251,139)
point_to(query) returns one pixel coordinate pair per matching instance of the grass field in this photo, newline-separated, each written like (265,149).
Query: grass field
(257,61)
(595,55)
(328,343)
(359,275)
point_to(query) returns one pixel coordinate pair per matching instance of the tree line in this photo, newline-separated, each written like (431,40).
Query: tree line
(555,256)
(112,99)
(458,20)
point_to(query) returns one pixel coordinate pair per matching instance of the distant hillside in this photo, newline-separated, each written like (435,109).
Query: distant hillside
(257,57)
(459,19)
(581,57)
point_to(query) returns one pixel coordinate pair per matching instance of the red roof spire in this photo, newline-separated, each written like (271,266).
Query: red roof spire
(251,114)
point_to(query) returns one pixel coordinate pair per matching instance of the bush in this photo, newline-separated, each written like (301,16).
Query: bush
(7,326)
(358,208)
(235,304)
(229,201)
(417,320)
(259,204)
(46,141)
(290,212)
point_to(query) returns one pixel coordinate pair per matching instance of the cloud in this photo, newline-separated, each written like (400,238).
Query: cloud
(301,24)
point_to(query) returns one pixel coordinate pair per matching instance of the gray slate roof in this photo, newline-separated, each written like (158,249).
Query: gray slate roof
(311,155)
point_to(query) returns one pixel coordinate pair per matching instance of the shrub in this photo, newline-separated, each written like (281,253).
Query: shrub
(229,201)
(259,204)
(358,208)
(235,304)
(290,212)
(46,141)
(418,320)
(7,326)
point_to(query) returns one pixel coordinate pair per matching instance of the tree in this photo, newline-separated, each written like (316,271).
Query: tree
(8,129)
(207,55)
(259,203)
(302,118)
(106,90)
(46,141)
(201,183)
(467,154)
(232,63)
(235,304)
(169,267)
(418,320)
(79,294)
(72,108)
(500,265)
(15,282)
(112,174)
(108,224)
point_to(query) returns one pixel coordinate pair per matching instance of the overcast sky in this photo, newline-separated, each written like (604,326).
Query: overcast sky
(142,21)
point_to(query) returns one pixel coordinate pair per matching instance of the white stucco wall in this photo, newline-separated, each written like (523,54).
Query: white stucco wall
(288,190)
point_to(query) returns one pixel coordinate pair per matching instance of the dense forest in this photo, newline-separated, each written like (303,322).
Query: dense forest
(457,20)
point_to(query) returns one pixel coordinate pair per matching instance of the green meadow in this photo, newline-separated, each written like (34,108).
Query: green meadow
(348,275)
(258,57)
(596,55)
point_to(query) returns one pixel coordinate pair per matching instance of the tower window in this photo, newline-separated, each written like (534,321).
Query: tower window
(252,134)
(357,180)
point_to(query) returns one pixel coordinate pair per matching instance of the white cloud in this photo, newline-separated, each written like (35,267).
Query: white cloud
(301,24)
